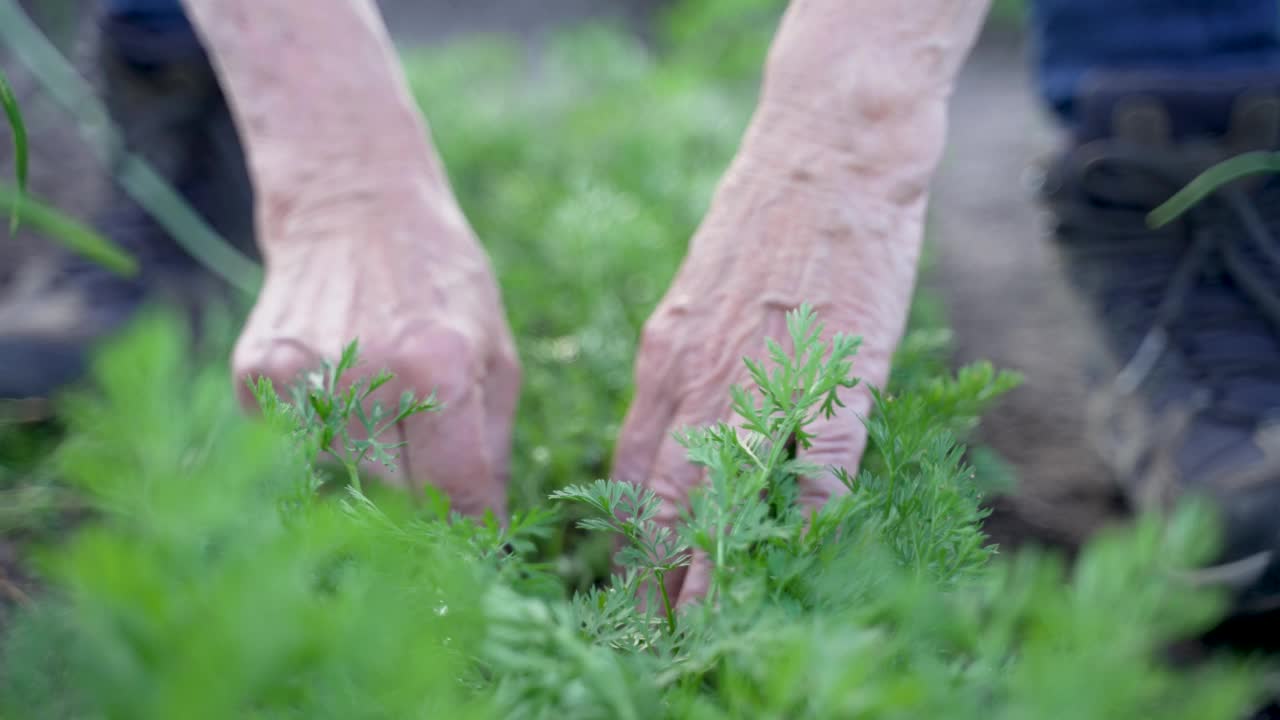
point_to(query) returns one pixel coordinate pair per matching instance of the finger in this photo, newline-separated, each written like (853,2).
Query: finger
(672,479)
(838,442)
(644,429)
(287,362)
(388,469)
(697,580)
(501,397)
(449,450)
(281,361)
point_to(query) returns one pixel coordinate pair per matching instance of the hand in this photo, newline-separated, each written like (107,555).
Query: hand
(387,259)
(791,223)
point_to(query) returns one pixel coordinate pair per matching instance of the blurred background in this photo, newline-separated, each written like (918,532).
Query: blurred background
(569,126)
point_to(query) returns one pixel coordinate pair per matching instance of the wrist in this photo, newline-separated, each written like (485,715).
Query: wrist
(312,84)
(892,156)
(398,206)
(339,148)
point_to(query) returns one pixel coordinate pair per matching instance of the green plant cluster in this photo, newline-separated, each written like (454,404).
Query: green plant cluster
(233,566)
(227,573)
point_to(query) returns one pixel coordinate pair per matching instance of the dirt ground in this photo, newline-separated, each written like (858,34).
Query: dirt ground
(1008,304)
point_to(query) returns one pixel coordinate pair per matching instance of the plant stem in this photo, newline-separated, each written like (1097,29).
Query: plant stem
(666,601)
(717,565)
(1227,171)
(353,468)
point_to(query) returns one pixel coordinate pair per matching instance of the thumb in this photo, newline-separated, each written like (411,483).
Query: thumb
(449,450)
(278,360)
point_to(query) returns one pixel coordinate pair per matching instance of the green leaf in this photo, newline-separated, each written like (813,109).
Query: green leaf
(1209,181)
(69,231)
(19,131)
(136,176)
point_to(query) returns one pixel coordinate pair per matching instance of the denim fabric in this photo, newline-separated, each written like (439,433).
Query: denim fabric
(151,15)
(143,7)
(1073,39)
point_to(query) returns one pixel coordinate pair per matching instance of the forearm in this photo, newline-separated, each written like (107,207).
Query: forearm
(851,125)
(857,90)
(319,99)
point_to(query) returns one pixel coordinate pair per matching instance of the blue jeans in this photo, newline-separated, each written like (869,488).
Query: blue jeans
(154,13)
(1072,38)
(142,7)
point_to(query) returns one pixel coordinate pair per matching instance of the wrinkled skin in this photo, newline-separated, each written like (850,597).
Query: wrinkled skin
(362,237)
(824,203)
(432,318)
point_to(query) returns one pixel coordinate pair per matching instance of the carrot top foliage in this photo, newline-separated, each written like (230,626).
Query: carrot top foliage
(237,566)
(227,573)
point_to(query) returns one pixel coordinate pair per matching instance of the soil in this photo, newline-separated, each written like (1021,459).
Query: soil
(1007,302)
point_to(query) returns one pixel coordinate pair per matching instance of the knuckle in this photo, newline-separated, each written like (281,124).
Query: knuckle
(280,361)
(661,334)
(659,346)
(655,337)
(506,366)
(439,359)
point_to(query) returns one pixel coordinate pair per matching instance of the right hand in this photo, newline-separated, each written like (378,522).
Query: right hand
(390,261)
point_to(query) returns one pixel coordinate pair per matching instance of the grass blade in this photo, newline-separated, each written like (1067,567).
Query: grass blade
(1227,171)
(19,131)
(69,231)
(66,87)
